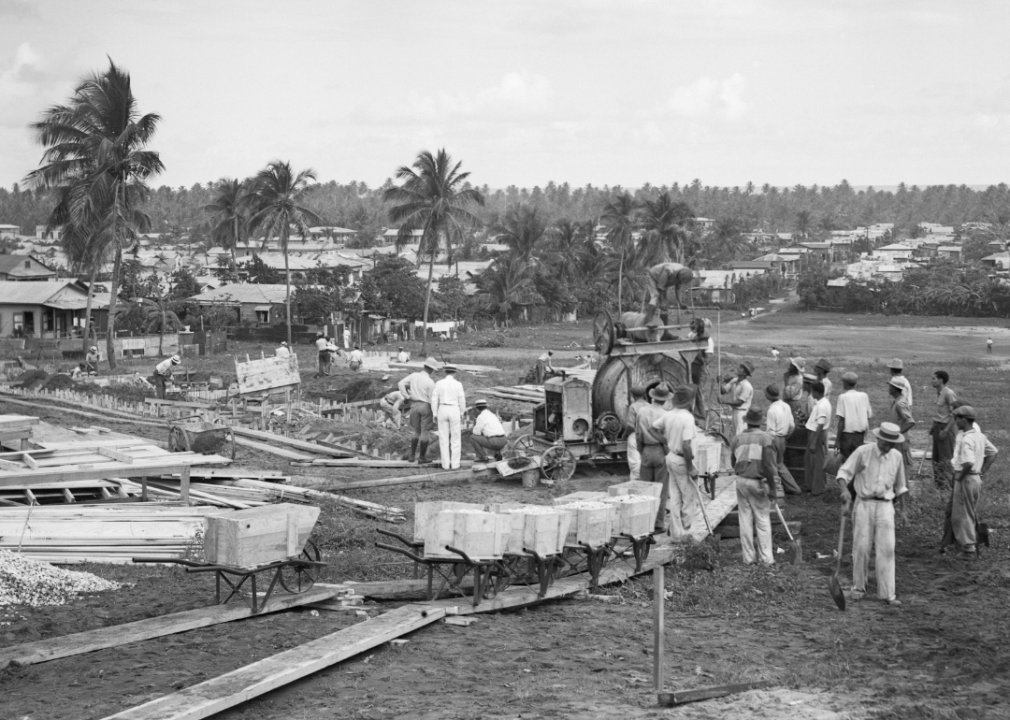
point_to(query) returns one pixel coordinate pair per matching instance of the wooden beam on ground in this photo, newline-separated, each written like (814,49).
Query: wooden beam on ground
(374,463)
(278,451)
(681,697)
(291,442)
(432,477)
(220,693)
(152,467)
(283,492)
(116,635)
(62,405)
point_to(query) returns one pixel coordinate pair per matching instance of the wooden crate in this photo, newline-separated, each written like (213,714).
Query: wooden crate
(481,535)
(635,514)
(636,487)
(257,536)
(542,532)
(591,525)
(425,514)
(708,455)
(581,496)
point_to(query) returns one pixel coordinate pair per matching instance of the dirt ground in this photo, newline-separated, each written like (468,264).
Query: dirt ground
(943,654)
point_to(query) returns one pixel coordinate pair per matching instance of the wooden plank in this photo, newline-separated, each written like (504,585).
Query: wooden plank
(168,464)
(290,442)
(433,477)
(266,374)
(116,635)
(716,510)
(283,492)
(681,697)
(180,403)
(213,696)
(236,473)
(115,455)
(279,452)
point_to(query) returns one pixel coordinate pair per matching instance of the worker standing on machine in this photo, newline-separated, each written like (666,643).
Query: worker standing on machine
(659,280)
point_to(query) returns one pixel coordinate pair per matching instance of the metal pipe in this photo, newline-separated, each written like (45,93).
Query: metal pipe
(658,630)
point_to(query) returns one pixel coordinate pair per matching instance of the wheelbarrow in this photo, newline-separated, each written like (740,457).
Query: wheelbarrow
(200,436)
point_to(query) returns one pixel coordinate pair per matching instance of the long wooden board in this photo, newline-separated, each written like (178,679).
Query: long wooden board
(231,689)
(434,477)
(278,451)
(113,636)
(289,442)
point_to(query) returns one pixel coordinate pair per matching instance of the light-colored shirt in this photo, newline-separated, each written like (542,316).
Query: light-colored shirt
(792,386)
(780,419)
(321,344)
(944,405)
(417,386)
(403,357)
(448,391)
(875,475)
(282,352)
(820,415)
(164,367)
(742,391)
(677,426)
(92,356)
(644,421)
(394,398)
(907,392)
(854,406)
(356,356)
(488,425)
(633,411)
(775,354)
(970,449)
(900,414)
(828,385)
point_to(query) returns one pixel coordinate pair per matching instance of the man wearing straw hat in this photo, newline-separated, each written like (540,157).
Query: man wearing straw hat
(897,368)
(651,446)
(754,465)
(660,278)
(488,435)
(741,394)
(780,426)
(417,388)
(448,404)
(874,477)
(901,415)
(792,380)
(973,455)
(678,429)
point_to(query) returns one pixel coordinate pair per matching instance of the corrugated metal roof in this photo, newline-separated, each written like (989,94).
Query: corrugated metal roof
(243,293)
(35,292)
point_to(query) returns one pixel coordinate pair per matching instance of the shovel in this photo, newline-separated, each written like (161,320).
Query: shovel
(833,585)
(796,542)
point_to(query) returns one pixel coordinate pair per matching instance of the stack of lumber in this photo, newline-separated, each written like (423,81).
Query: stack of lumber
(518,393)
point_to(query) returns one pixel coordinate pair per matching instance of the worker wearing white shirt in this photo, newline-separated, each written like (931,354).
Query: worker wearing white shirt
(283,351)
(323,355)
(854,413)
(487,434)
(403,356)
(897,367)
(817,439)
(356,359)
(780,425)
(417,387)
(391,404)
(162,373)
(448,403)
(741,394)
(973,454)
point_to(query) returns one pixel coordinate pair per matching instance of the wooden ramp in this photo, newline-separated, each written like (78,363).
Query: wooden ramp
(716,509)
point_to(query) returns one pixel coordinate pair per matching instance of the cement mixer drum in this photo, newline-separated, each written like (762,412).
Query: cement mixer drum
(617,375)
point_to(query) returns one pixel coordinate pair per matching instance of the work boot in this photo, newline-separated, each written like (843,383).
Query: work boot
(422,455)
(413,450)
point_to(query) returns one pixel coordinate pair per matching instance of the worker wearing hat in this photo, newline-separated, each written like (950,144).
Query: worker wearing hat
(853,413)
(392,405)
(677,429)
(900,414)
(658,280)
(817,439)
(753,453)
(897,368)
(638,401)
(356,359)
(323,356)
(282,351)
(650,445)
(488,435)
(741,394)
(162,373)
(448,404)
(544,369)
(821,370)
(402,356)
(91,360)
(792,380)
(973,455)
(780,425)
(874,476)
(417,388)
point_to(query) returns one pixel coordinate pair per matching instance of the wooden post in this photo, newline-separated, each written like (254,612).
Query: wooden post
(184,485)
(287,401)
(658,596)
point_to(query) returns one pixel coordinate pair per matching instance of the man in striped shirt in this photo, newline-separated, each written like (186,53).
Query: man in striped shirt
(754,465)
(780,425)
(853,413)
(973,454)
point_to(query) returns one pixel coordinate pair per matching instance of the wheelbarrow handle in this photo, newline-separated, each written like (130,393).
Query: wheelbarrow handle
(167,560)
(398,536)
(402,551)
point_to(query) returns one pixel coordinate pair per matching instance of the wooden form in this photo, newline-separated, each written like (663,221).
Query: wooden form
(258,536)
(269,374)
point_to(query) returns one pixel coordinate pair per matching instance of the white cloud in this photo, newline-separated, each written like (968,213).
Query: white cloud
(706,97)
(17,83)
(519,91)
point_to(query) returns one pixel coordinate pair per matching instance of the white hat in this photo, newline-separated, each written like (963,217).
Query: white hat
(431,363)
(94,349)
(284,344)
(896,364)
(176,359)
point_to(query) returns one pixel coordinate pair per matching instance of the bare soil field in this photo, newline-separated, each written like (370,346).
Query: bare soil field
(943,654)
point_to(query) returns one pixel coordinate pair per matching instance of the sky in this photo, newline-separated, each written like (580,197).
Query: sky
(608,92)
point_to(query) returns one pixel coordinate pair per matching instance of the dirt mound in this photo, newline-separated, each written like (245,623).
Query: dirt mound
(350,389)
(30,379)
(58,381)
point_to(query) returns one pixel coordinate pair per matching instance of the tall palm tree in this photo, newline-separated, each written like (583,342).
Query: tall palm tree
(95,149)
(619,215)
(507,285)
(567,245)
(275,195)
(667,224)
(230,210)
(522,229)
(434,198)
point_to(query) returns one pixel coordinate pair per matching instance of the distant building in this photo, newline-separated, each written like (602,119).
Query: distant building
(24,267)
(952,252)
(9,231)
(253,303)
(47,309)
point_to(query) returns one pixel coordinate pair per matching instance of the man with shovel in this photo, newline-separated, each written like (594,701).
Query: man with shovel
(754,463)
(874,479)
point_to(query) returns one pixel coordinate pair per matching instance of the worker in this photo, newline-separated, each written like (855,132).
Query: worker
(282,351)
(322,355)
(402,356)
(638,402)
(901,415)
(874,477)
(417,388)
(817,440)
(544,367)
(780,425)
(700,333)
(79,372)
(897,368)
(821,370)
(356,359)
(162,373)
(973,455)
(854,413)
(741,394)
(659,279)
(91,360)
(488,435)
(448,403)
(651,445)
(944,430)
(775,353)
(988,346)
(792,381)
(391,404)
(753,454)
(678,429)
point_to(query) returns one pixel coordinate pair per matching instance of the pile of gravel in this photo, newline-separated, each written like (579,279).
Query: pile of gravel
(33,583)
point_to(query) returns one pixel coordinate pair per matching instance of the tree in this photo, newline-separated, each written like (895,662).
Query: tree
(619,215)
(435,198)
(95,152)
(230,213)
(277,192)
(522,229)
(184,285)
(393,288)
(667,226)
(451,298)
(506,286)
(258,272)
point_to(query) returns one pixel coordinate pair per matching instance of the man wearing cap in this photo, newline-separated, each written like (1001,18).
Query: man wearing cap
(973,455)
(417,388)
(356,359)
(853,413)
(391,405)
(91,360)
(821,370)
(678,429)
(753,455)
(897,367)
(651,446)
(323,355)
(487,435)
(944,429)
(402,356)
(901,415)
(448,403)
(741,394)
(874,476)
(162,373)
(638,402)
(817,439)
(780,425)
(660,278)
(282,351)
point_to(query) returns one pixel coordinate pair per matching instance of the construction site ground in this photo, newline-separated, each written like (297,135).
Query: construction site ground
(942,654)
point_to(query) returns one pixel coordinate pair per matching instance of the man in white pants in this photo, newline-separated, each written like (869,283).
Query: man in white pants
(678,429)
(638,402)
(741,394)
(448,404)
(753,453)
(874,479)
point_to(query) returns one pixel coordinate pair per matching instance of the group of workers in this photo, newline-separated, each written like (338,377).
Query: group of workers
(327,351)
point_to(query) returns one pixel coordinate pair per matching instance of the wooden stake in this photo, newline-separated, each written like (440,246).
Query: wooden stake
(658,629)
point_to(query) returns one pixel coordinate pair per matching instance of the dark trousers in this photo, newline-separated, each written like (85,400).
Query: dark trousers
(943,455)
(159,386)
(813,468)
(483,446)
(849,442)
(654,470)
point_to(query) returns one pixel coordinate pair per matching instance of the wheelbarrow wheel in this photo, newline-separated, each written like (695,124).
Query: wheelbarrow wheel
(523,446)
(558,464)
(298,577)
(178,440)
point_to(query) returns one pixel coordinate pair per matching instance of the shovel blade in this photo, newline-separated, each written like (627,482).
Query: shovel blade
(836,592)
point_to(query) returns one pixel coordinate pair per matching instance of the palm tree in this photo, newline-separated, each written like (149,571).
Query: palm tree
(508,284)
(619,215)
(804,221)
(231,211)
(95,152)
(567,247)
(434,198)
(275,194)
(667,224)
(522,229)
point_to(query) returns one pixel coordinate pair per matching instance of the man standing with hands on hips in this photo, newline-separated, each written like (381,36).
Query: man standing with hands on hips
(448,404)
